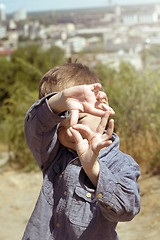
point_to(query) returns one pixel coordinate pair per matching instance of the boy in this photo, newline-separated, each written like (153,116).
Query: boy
(89,184)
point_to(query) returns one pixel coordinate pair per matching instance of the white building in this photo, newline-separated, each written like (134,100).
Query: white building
(34,29)
(3,32)
(2,12)
(142,15)
(114,59)
(77,44)
(12,25)
(72,45)
(13,36)
(20,15)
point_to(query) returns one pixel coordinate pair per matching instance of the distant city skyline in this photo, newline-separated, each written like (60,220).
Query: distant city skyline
(44,5)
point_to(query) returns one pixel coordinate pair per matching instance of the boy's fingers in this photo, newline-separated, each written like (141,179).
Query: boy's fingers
(93,110)
(95,86)
(104,107)
(104,144)
(77,136)
(102,97)
(110,128)
(83,129)
(102,125)
(74,117)
(106,137)
(109,131)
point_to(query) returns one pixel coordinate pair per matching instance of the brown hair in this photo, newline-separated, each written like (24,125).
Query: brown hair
(65,76)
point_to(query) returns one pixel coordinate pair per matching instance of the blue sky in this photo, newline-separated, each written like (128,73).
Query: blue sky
(38,5)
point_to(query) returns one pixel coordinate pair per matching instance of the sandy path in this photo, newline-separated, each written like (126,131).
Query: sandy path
(146,225)
(19,191)
(18,194)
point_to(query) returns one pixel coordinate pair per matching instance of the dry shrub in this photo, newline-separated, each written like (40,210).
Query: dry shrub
(144,148)
(135,99)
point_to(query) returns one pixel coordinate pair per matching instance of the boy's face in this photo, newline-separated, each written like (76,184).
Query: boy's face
(64,135)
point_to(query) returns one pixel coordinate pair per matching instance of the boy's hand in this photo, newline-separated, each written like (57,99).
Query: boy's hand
(88,149)
(85,98)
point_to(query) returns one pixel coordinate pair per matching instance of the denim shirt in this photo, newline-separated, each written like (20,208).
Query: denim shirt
(69,207)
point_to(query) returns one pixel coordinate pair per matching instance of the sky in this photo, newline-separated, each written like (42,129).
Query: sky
(40,5)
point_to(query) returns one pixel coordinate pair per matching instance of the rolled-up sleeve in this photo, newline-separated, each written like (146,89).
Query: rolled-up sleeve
(117,191)
(40,131)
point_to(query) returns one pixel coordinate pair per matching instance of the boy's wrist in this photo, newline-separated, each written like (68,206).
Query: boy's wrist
(92,171)
(56,103)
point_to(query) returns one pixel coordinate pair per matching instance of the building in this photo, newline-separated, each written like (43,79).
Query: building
(113,60)
(3,32)
(77,44)
(34,29)
(145,14)
(2,12)
(20,15)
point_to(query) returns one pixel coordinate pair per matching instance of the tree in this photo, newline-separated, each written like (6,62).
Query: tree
(19,81)
(6,78)
(39,58)
(14,110)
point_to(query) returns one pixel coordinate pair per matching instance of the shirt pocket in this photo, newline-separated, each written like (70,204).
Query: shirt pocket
(83,207)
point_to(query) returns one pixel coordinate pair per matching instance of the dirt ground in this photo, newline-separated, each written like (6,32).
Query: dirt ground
(19,191)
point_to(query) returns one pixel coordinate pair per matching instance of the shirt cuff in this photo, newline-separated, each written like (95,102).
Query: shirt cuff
(48,117)
(105,188)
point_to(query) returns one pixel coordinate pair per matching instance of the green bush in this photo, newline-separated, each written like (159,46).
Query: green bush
(19,81)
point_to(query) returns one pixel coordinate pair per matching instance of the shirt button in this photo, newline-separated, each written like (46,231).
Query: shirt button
(76,162)
(88,195)
(109,207)
(58,225)
(99,195)
(65,193)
